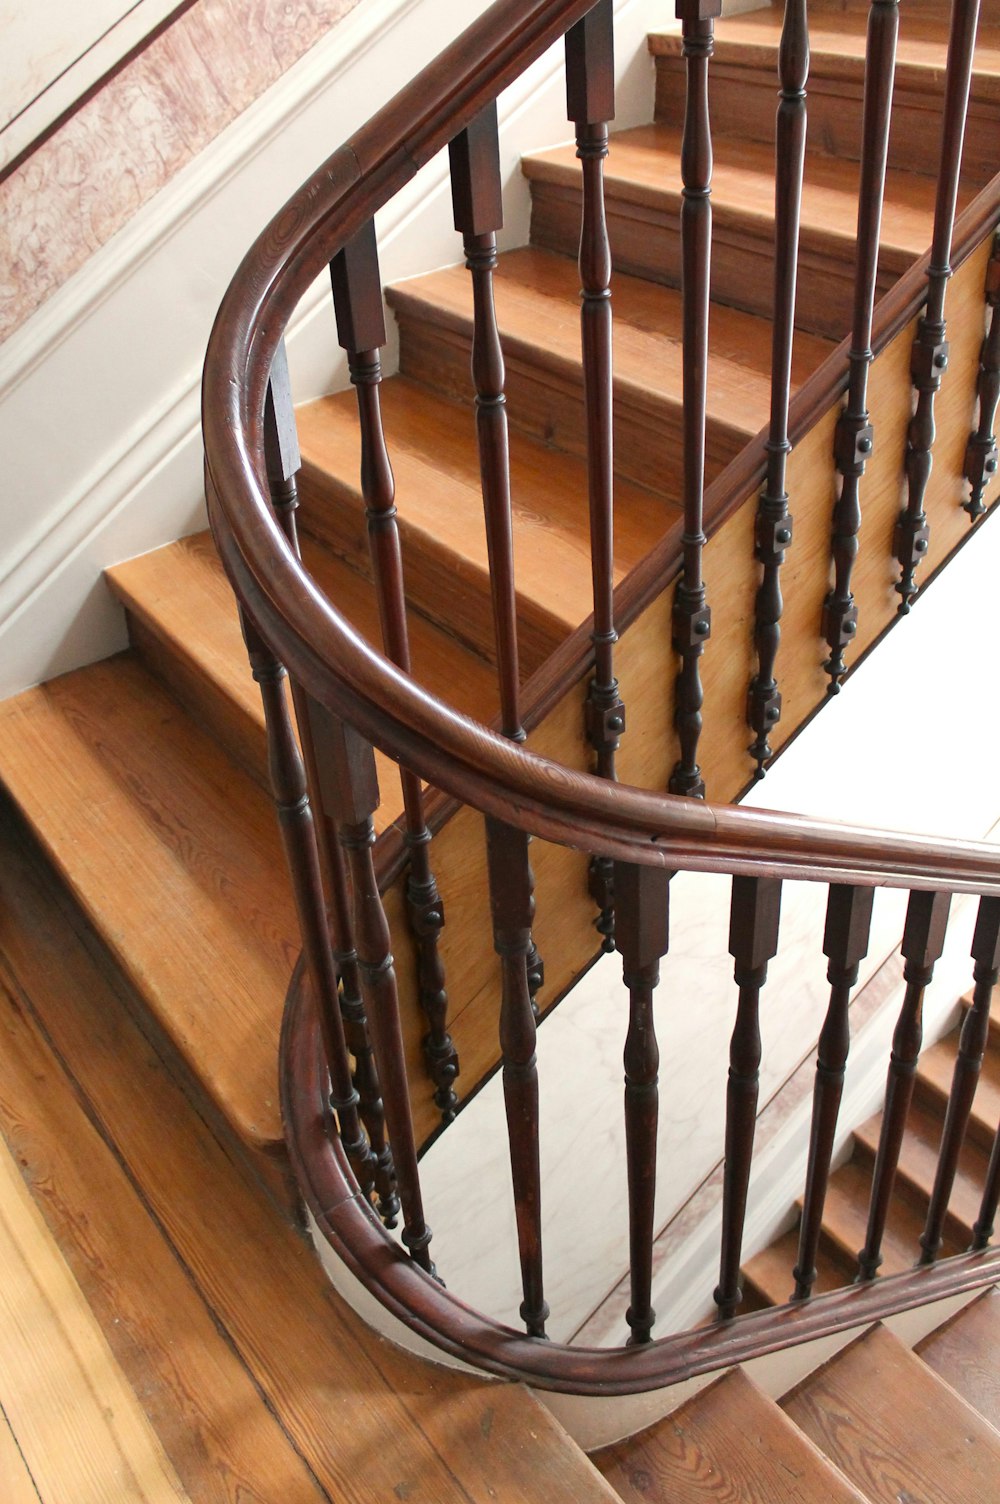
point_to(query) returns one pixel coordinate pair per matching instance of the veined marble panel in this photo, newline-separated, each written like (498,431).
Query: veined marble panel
(121,147)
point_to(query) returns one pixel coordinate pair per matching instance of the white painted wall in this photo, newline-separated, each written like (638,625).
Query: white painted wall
(99,390)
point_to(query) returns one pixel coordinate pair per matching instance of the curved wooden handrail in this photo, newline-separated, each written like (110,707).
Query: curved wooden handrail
(469,761)
(476,765)
(437,1316)
(466,759)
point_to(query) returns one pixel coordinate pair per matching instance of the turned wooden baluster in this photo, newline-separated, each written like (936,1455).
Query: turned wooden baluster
(971,1049)
(845,944)
(923,942)
(590,104)
(692,618)
(357,298)
(854,437)
(348,791)
(773,529)
(282,462)
(929,359)
(512,908)
(981,452)
(642,897)
(983,1230)
(753,941)
(298,836)
(478,211)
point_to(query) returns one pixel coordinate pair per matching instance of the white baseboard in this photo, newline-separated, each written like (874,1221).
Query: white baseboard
(99,391)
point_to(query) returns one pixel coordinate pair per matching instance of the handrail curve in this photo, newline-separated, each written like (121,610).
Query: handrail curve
(317,644)
(476,765)
(471,762)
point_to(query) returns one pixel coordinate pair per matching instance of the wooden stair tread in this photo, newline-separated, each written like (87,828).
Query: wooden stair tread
(769,1273)
(837,44)
(845,1220)
(729,1442)
(190,635)
(918,1164)
(934,1078)
(964,1351)
(363,1420)
(894,1428)
(644,167)
(537,301)
(174,856)
(432,445)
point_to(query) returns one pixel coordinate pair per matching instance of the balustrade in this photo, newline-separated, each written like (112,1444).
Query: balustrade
(590,104)
(855,436)
(357,297)
(773,530)
(347,698)
(929,360)
(981,452)
(692,616)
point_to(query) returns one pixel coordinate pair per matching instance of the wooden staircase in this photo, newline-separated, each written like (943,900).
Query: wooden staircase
(242,1375)
(767,1276)
(145,778)
(874,1425)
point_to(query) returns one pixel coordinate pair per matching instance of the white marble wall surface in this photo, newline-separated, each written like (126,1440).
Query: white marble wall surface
(928,767)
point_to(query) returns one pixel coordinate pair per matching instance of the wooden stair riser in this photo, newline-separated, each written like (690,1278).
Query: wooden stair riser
(545,399)
(743,99)
(933,1083)
(440,585)
(645,241)
(233,725)
(438,492)
(917,1167)
(963,1352)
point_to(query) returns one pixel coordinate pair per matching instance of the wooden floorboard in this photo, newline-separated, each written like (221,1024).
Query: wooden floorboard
(16,1483)
(293,1399)
(79,1428)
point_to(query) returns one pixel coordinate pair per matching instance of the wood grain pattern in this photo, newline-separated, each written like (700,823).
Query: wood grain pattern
(744,69)
(78,1423)
(439,497)
(643,186)
(536,294)
(894,1428)
(15,1480)
(208,936)
(369,1421)
(183,623)
(963,1352)
(729,1442)
(160,1331)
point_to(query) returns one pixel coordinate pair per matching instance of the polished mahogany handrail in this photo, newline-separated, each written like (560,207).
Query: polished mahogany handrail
(332,662)
(518,790)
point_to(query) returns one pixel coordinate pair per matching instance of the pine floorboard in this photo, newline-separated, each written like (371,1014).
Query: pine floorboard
(262,1387)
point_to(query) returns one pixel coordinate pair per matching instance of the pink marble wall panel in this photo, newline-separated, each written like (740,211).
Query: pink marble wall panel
(120,148)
